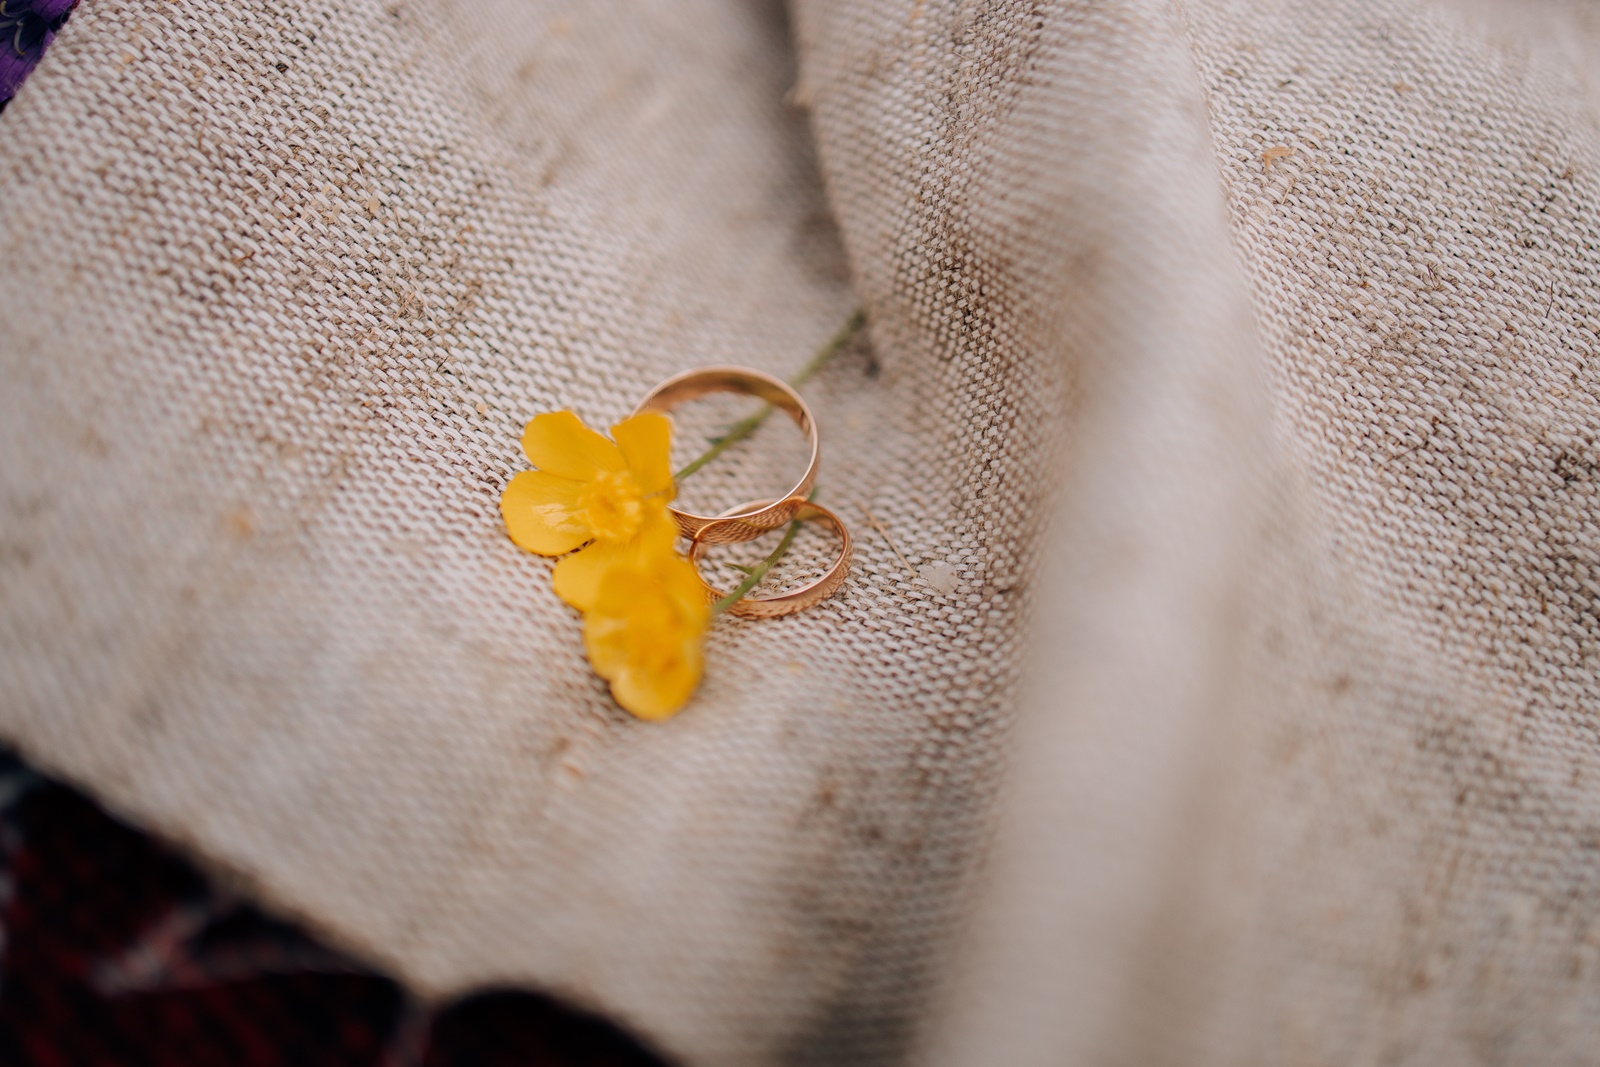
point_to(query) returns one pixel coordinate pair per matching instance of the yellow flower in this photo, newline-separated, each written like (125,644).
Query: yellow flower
(610,495)
(643,633)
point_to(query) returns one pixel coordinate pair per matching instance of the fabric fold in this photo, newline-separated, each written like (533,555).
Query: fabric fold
(1266,802)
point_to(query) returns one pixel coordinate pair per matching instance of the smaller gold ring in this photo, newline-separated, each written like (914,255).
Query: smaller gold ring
(734,526)
(770,607)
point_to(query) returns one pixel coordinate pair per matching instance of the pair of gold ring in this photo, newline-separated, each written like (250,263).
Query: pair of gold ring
(747,521)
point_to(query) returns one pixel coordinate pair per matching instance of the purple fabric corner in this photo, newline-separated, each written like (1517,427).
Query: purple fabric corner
(26,29)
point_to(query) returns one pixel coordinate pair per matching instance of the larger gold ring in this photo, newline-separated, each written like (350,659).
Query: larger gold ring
(770,607)
(748,524)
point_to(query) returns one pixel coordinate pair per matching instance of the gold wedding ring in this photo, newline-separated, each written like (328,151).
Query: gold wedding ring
(770,607)
(749,521)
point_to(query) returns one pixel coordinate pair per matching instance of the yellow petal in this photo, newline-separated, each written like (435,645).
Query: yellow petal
(577,578)
(542,513)
(559,442)
(646,443)
(605,640)
(643,633)
(659,695)
(658,533)
(688,592)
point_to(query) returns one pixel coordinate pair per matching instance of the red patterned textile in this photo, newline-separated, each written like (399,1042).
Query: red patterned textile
(115,952)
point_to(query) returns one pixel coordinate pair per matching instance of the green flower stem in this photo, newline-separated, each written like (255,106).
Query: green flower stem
(747,426)
(736,433)
(758,572)
(830,349)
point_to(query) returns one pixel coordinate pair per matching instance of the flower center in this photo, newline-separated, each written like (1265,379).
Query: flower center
(613,506)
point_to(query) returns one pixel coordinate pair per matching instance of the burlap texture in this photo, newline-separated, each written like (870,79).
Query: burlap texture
(288,280)
(1290,309)
(1306,763)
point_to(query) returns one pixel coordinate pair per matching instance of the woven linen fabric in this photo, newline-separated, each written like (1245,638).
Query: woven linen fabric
(1251,344)
(1306,765)
(288,280)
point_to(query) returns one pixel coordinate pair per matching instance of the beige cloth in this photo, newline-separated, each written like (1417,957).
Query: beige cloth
(1252,344)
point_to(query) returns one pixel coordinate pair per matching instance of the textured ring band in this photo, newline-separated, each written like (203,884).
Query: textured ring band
(736,525)
(797,599)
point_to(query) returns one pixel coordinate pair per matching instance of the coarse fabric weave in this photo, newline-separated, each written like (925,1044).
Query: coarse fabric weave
(1217,683)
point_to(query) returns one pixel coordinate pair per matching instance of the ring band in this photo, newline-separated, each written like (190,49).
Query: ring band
(771,607)
(736,526)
